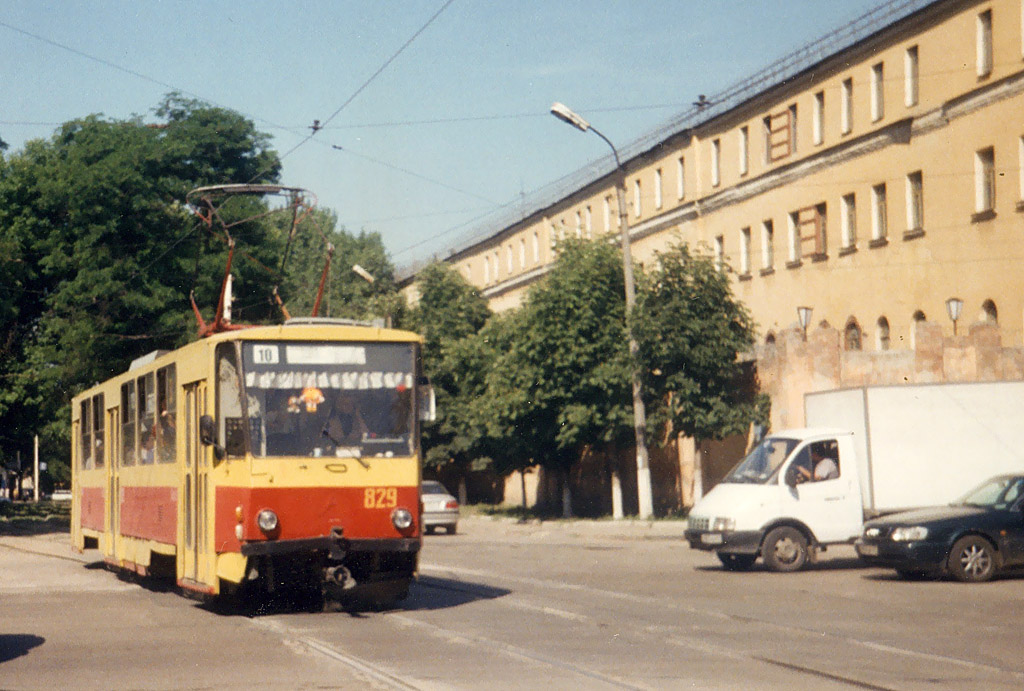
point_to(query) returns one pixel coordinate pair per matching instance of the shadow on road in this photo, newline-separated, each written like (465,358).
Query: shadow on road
(833,564)
(431,592)
(14,645)
(28,526)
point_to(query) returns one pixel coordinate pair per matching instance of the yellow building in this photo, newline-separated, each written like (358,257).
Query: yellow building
(871,185)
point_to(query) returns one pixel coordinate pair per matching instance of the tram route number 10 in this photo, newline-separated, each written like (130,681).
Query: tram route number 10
(380,497)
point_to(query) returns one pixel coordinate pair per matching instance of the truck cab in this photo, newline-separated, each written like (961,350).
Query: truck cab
(796,492)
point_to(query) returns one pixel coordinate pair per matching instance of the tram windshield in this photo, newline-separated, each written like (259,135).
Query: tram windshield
(345,400)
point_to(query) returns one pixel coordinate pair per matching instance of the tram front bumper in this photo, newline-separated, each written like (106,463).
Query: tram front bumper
(332,545)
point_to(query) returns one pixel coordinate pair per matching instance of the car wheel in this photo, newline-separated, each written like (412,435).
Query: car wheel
(450,529)
(785,549)
(972,559)
(429,530)
(737,562)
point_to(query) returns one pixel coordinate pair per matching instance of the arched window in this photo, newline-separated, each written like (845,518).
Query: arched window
(852,335)
(989,312)
(883,334)
(919,316)
(769,340)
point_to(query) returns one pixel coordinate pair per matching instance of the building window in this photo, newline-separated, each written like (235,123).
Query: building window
(852,335)
(579,225)
(846,106)
(848,220)
(915,201)
(989,312)
(792,129)
(552,235)
(522,252)
(536,247)
(588,223)
(745,251)
(508,258)
(716,162)
(984,180)
(809,226)
(767,245)
(984,43)
(744,160)
(487,270)
(607,214)
(636,199)
(883,341)
(818,118)
(910,76)
(657,188)
(719,252)
(877,92)
(681,177)
(794,236)
(879,213)
(1020,166)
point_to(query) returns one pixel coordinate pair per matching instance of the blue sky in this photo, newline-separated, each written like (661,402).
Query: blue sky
(455,128)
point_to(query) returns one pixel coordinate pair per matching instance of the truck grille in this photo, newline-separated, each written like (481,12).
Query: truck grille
(698,522)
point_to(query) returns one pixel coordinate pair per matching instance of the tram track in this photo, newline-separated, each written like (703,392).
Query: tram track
(677,637)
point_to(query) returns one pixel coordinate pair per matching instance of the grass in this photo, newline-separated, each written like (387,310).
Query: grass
(34,518)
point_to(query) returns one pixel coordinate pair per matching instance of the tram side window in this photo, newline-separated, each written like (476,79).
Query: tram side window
(230,431)
(85,427)
(98,436)
(146,409)
(128,441)
(167,404)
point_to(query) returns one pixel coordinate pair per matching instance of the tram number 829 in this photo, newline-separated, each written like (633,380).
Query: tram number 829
(380,498)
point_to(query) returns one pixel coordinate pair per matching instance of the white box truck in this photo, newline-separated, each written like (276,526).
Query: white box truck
(867,451)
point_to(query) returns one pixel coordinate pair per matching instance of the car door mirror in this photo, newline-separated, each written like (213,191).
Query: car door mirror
(208,436)
(792,477)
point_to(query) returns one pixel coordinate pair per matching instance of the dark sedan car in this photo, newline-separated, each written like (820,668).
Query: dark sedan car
(971,539)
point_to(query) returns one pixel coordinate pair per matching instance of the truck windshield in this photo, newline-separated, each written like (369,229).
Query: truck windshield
(344,400)
(761,464)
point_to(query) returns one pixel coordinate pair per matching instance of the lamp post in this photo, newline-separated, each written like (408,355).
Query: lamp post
(645,497)
(953,307)
(804,315)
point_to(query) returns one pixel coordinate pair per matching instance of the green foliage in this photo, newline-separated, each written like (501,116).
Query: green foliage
(691,331)
(562,380)
(456,356)
(99,254)
(346,294)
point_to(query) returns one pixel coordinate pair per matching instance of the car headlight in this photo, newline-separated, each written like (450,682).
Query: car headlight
(872,531)
(722,523)
(267,520)
(401,518)
(910,533)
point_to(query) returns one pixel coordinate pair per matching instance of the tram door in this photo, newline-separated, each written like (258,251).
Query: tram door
(115,450)
(195,540)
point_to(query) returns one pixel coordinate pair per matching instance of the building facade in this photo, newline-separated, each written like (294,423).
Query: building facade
(872,185)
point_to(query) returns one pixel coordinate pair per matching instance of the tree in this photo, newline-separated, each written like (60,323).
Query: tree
(102,253)
(346,294)
(690,332)
(563,384)
(456,356)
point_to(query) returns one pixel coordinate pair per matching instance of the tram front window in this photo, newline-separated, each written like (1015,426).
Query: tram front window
(327,399)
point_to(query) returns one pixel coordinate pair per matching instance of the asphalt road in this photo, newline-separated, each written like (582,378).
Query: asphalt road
(501,605)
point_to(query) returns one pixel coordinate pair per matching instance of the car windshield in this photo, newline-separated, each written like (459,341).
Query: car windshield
(997,493)
(434,488)
(761,464)
(326,399)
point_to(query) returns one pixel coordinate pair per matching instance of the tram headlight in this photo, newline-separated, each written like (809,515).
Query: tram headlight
(401,518)
(267,520)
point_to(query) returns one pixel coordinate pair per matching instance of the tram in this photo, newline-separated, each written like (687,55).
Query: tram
(259,460)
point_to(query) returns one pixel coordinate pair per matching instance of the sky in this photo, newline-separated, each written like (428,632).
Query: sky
(435,113)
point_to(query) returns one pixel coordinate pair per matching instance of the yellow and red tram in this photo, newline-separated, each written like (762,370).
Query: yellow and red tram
(270,458)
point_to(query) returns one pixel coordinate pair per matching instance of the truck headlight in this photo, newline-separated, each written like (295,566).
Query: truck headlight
(723,524)
(909,533)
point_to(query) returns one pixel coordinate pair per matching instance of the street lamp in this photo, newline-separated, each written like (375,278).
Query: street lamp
(645,496)
(804,315)
(953,307)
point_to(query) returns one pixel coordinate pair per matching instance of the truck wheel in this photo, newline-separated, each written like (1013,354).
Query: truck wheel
(737,562)
(972,560)
(785,549)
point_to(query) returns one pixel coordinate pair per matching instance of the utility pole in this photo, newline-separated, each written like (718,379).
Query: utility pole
(35,471)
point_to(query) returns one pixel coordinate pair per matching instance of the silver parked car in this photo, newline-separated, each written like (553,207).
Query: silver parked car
(439,508)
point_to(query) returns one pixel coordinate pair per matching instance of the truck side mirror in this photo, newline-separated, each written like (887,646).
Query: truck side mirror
(792,475)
